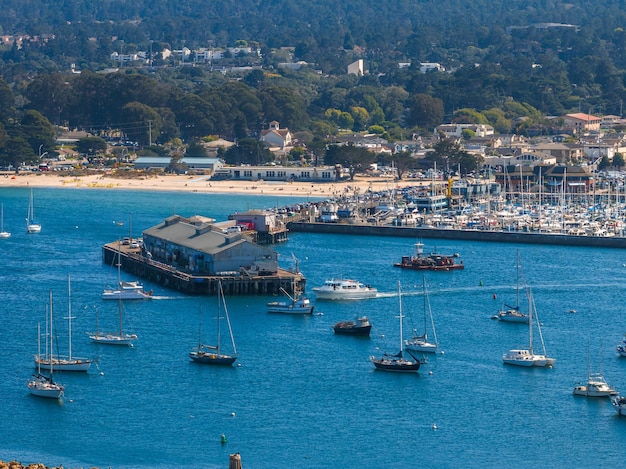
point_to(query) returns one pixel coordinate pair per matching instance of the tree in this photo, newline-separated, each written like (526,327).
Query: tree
(605,163)
(403,162)
(356,159)
(91,145)
(618,161)
(38,131)
(425,111)
(17,152)
(142,124)
(248,151)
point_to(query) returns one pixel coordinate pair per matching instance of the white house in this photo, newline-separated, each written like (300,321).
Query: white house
(275,136)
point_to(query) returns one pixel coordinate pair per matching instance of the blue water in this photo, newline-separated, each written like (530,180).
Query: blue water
(303,397)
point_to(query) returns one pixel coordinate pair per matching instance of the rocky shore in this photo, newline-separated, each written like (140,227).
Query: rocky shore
(17,465)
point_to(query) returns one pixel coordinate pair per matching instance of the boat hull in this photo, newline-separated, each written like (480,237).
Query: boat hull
(525,358)
(125,295)
(331,295)
(297,307)
(5,234)
(592,391)
(360,331)
(507,316)
(42,387)
(33,228)
(112,339)
(415,266)
(212,358)
(423,347)
(61,364)
(395,364)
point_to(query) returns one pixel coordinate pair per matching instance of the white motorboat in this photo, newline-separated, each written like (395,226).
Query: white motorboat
(596,386)
(344,289)
(621,348)
(619,403)
(125,290)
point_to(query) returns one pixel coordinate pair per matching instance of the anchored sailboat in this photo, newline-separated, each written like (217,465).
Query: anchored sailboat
(32,226)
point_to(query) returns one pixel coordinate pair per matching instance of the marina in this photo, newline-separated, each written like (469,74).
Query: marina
(276,421)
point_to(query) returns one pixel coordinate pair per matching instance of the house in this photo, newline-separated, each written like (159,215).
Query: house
(276,137)
(563,152)
(456,130)
(580,122)
(197,246)
(356,68)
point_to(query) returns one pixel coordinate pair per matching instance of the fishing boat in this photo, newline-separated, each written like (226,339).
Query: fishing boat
(344,289)
(125,290)
(595,386)
(513,313)
(359,327)
(32,226)
(40,384)
(214,354)
(619,403)
(63,363)
(527,357)
(297,304)
(420,343)
(397,362)
(113,338)
(433,261)
(3,234)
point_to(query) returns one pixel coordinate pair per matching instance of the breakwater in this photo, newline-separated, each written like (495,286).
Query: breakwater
(467,235)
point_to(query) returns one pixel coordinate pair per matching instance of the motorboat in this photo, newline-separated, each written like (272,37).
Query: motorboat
(344,289)
(127,291)
(433,261)
(619,403)
(596,386)
(359,327)
(621,348)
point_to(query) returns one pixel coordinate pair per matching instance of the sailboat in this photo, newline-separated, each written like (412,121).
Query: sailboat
(64,363)
(527,357)
(125,290)
(113,338)
(397,362)
(3,234)
(213,354)
(32,226)
(41,385)
(513,313)
(420,343)
(595,386)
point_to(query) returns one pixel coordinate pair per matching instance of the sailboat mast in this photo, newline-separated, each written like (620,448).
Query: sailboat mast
(517,280)
(400,302)
(39,348)
(425,302)
(69,316)
(219,310)
(51,335)
(230,329)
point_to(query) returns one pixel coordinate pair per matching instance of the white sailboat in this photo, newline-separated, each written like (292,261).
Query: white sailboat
(420,343)
(3,234)
(125,290)
(64,363)
(214,354)
(41,385)
(527,357)
(513,313)
(113,338)
(32,226)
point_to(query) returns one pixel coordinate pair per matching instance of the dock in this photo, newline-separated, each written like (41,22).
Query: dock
(134,262)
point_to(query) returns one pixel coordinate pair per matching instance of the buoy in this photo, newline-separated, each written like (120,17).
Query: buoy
(232,414)
(442,352)
(102,373)
(481,283)
(223,439)
(434,426)
(495,296)
(430,372)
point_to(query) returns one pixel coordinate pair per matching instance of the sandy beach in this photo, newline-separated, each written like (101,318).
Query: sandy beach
(198,183)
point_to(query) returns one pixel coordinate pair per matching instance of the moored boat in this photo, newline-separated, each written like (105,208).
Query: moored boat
(359,327)
(619,403)
(296,304)
(433,261)
(596,386)
(344,289)
(621,348)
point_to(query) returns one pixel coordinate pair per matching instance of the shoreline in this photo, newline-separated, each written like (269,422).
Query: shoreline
(202,183)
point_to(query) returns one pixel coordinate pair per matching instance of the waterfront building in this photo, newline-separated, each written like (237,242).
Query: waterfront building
(198,246)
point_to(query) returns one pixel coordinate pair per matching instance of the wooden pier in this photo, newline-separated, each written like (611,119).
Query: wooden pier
(134,262)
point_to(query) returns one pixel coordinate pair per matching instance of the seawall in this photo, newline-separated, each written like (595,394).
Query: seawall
(466,235)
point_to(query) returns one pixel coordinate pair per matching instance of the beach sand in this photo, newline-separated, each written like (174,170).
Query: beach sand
(200,183)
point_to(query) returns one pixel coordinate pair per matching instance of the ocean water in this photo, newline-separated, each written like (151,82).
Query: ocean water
(300,396)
